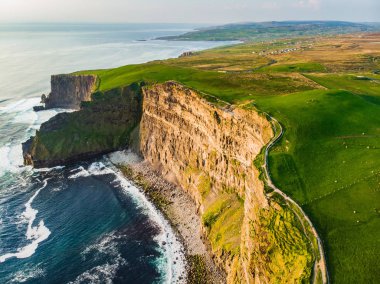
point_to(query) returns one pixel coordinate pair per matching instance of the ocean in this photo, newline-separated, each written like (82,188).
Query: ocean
(83,223)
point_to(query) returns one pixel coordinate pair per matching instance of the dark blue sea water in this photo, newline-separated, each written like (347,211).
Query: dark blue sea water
(84,223)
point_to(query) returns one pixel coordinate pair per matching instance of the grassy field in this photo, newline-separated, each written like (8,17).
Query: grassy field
(326,96)
(273,30)
(329,162)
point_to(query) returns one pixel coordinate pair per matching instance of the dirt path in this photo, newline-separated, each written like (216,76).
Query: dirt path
(319,265)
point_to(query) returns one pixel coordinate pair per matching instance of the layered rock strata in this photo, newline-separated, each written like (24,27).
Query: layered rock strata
(208,150)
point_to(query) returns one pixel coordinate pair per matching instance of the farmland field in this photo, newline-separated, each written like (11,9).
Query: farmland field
(326,94)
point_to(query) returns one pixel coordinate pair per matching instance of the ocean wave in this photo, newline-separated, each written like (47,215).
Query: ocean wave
(27,274)
(172,264)
(106,246)
(36,234)
(45,170)
(22,113)
(101,273)
(20,106)
(95,169)
(80,172)
(124,157)
(11,159)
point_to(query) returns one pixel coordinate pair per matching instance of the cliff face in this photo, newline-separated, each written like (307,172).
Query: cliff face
(101,126)
(207,150)
(68,91)
(210,153)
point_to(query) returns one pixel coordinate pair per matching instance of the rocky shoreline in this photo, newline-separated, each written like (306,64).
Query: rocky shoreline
(182,213)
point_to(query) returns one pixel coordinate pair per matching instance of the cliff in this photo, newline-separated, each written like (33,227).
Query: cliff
(68,91)
(101,126)
(209,150)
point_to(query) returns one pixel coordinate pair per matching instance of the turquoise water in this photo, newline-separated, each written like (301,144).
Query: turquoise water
(84,223)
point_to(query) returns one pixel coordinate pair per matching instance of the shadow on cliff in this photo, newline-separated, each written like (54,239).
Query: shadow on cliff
(102,125)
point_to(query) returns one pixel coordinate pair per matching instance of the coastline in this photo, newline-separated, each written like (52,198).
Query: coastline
(181,212)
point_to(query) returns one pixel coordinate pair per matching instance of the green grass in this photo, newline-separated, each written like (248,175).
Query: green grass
(223,219)
(332,169)
(77,134)
(367,85)
(296,67)
(328,160)
(282,245)
(229,87)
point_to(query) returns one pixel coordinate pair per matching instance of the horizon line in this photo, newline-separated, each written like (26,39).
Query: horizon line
(182,23)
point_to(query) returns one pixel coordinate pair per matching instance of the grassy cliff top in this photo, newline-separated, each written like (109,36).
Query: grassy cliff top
(326,94)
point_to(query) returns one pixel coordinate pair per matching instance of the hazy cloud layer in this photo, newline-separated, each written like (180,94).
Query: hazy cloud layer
(190,11)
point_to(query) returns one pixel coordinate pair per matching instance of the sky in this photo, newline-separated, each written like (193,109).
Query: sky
(189,11)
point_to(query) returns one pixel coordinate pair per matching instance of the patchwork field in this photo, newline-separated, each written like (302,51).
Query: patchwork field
(326,94)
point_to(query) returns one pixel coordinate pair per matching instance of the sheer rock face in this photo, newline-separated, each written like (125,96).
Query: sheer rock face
(186,138)
(208,150)
(179,129)
(101,126)
(69,91)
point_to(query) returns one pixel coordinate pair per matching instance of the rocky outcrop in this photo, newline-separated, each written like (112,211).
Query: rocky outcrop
(69,91)
(101,126)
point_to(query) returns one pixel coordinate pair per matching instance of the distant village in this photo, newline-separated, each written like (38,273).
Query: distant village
(299,46)
(186,54)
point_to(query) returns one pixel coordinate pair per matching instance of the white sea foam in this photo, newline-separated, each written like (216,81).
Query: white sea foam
(27,274)
(172,265)
(21,105)
(106,272)
(98,168)
(26,117)
(35,234)
(95,169)
(124,157)
(22,112)
(106,246)
(80,172)
(11,158)
(100,274)
(44,170)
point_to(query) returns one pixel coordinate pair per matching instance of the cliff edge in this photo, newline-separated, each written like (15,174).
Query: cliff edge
(69,91)
(210,151)
(101,126)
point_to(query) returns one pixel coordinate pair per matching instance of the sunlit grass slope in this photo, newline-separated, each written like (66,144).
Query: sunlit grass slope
(326,96)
